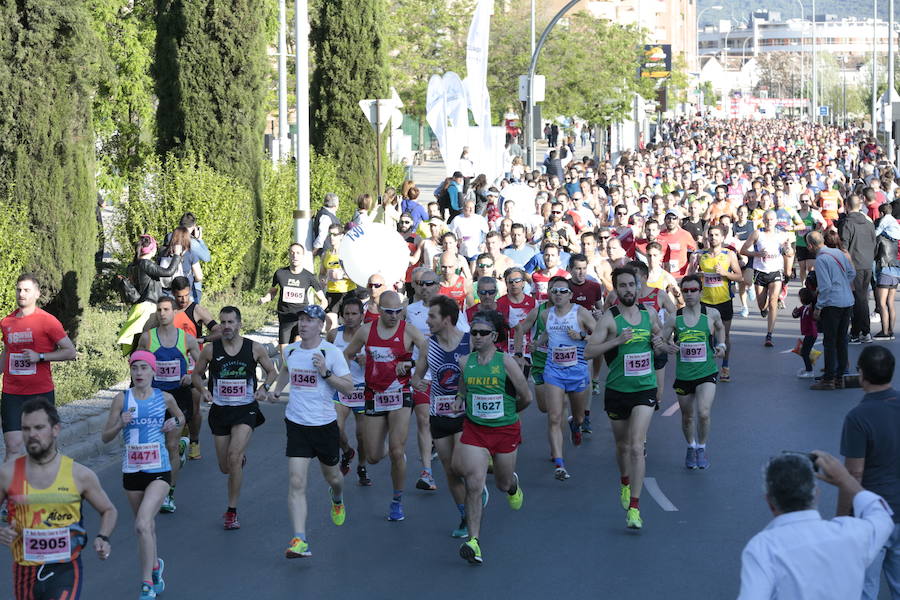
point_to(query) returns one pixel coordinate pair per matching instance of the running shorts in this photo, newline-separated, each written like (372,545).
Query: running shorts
(314,441)
(11,408)
(497,440)
(442,427)
(684,387)
(618,405)
(55,581)
(138,482)
(223,418)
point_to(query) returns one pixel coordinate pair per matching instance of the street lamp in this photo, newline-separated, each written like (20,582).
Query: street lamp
(700,14)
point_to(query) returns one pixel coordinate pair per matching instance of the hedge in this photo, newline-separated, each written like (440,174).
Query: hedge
(18,241)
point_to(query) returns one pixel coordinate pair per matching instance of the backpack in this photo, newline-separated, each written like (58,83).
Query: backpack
(443,199)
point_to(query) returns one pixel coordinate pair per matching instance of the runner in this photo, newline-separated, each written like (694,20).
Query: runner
(718,267)
(32,339)
(445,347)
(768,248)
(514,307)
(454,286)
(235,412)
(588,294)
(144,415)
(298,287)
(388,345)
(627,335)
(541,277)
(494,392)
(351,312)
(337,284)
(375,286)
(45,482)
(695,326)
(172,348)
(316,371)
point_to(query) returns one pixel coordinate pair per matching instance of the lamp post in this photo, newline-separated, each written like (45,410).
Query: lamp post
(700,14)
(301,39)
(874,64)
(802,44)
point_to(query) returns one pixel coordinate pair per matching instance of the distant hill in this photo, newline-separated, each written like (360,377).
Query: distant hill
(790,9)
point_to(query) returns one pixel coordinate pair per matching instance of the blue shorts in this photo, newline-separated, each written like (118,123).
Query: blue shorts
(569,379)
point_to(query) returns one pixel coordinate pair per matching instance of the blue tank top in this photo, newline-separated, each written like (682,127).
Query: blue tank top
(145,442)
(443,367)
(563,351)
(171,361)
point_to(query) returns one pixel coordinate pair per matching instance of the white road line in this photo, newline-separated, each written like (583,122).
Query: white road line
(671,410)
(653,488)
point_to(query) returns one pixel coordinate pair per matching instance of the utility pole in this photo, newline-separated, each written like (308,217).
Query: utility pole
(874,65)
(301,35)
(889,96)
(815,68)
(284,142)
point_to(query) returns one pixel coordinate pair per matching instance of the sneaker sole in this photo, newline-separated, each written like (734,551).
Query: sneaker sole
(562,476)
(290,554)
(424,485)
(468,554)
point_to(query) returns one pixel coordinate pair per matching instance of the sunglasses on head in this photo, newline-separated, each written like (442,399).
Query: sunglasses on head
(375,285)
(392,311)
(481,332)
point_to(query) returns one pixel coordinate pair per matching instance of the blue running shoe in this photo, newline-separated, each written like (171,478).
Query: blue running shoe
(147,592)
(396,512)
(159,585)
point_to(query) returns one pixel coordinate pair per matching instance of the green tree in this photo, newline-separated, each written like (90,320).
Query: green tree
(48,76)
(211,71)
(349,57)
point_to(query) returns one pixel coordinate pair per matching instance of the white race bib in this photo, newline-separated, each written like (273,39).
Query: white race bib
(304,378)
(143,456)
(447,406)
(168,371)
(637,364)
(47,545)
(293,295)
(20,365)
(487,406)
(712,280)
(693,352)
(565,356)
(231,389)
(388,401)
(353,400)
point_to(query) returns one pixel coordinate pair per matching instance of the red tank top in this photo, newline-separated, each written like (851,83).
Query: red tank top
(457,291)
(382,357)
(651,300)
(369,317)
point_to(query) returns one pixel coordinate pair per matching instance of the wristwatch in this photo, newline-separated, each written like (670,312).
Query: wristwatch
(41,357)
(519,355)
(583,336)
(327,374)
(265,386)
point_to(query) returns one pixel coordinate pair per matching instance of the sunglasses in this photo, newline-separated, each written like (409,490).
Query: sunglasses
(560,291)
(484,266)
(481,332)
(515,280)
(406,222)
(375,285)
(487,292)
(555,212)
(391,311)
(428,283)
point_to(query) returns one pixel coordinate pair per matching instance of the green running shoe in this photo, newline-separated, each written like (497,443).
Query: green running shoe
(338,513)
(625,495)
(297,549)
(515,500)
(633,519)
(168,505)
(471,552)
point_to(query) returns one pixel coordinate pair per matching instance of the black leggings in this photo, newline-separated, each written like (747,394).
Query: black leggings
(805,349)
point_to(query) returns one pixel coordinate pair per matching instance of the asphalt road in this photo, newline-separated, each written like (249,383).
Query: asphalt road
(569,537)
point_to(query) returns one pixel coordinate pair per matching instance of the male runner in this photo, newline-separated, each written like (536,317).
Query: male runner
(588,294)
(494,392)
(316,370)
(627,334)
(351,312)
(32,339)
(695,366)
(375,286)
(232,390)
(298,288)
(452,285)
(515,306)
(769,247)
(541,277)
(388,343)
(45,491)
(172,348)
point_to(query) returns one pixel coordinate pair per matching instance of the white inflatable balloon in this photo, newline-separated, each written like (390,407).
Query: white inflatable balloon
(374,248)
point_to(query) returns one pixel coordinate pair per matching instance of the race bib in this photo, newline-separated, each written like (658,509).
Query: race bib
(676,246)
(829,205)
(388,400)
(47,545)
(447,406)
(693,352)
(231,389)
(487,406)
(141,457)
(712,280)
(637,364)
(20,365)
(353,400)
(168,371)
(293,295)
(565,356)
(304,378)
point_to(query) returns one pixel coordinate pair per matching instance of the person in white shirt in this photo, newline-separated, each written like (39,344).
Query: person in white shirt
(315,369)
(470,228)
(799,555)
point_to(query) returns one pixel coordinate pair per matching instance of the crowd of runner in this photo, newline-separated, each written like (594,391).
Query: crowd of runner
(571,287)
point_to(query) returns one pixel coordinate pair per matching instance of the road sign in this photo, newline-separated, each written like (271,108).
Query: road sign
(384,112)
(823,111)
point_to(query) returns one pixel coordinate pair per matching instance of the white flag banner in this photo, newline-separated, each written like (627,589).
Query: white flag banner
(436,109)
(455,98)
(477,58)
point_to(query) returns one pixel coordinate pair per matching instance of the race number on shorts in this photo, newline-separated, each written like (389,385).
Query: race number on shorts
(487,406)
(20,365)
(47,545)
(637,364)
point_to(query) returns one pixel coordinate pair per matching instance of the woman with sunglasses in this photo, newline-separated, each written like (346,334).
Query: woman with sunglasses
(494,392)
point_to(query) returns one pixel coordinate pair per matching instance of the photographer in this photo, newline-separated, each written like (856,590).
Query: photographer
(198,248)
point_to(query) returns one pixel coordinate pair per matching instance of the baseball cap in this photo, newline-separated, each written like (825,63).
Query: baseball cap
(144,355)
(314,311)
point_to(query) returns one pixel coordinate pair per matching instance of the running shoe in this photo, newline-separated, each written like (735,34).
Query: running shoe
(516,500)
(146,592)
(595,388)
(471,552)
(866,338)
(561,473)
(804,374)
(462,531)
(724,375)
(586,426)
(363,476)
(230,520)
(633,519)
(485,496)
(625,495)
(338,513)
(183,444)
(690,458)
(426,482)
(882,336)
(745,312)
(575,428)
(702,460)
(396,511)
(168,505)
(159,585)
(346,458)
(824,384)
(768,343)
(764,313)
(297,549)
(854,340)
(194,451)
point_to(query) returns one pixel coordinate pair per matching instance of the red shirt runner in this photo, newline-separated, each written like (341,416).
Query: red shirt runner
(542,280)
(680,243)
(514,312)
(457,291)
(588,294)
(40,331)
(382,357)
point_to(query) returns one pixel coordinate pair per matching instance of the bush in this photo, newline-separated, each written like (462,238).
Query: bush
(223,207)
(394,175)
(17,241)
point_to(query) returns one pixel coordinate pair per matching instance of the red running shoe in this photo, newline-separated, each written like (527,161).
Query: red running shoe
(230,521)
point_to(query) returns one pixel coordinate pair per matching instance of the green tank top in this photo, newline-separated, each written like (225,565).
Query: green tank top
(539,357)
(809,222)
(695,355)
(490,395)
(631,366)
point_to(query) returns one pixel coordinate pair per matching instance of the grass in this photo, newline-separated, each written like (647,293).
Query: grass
(101,365)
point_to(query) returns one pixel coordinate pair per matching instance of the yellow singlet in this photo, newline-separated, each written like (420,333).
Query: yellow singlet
(715,286)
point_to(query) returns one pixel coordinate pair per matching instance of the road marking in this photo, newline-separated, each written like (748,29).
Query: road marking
(795,347)
(653,488)
(672,409)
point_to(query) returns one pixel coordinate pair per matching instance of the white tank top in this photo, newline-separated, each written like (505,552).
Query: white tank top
(560,345)
(770,243)
(356,371)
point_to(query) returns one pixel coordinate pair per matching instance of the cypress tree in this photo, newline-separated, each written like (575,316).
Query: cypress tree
(210,69)
(349,57)
(48,74)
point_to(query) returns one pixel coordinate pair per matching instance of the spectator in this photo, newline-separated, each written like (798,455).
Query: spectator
(834,275)
(325,218)
(858,234)
(801,556)
(870,443)
(410,204)
(364,208)
(553,164)
(470,228)
(189,266)
(389,210)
